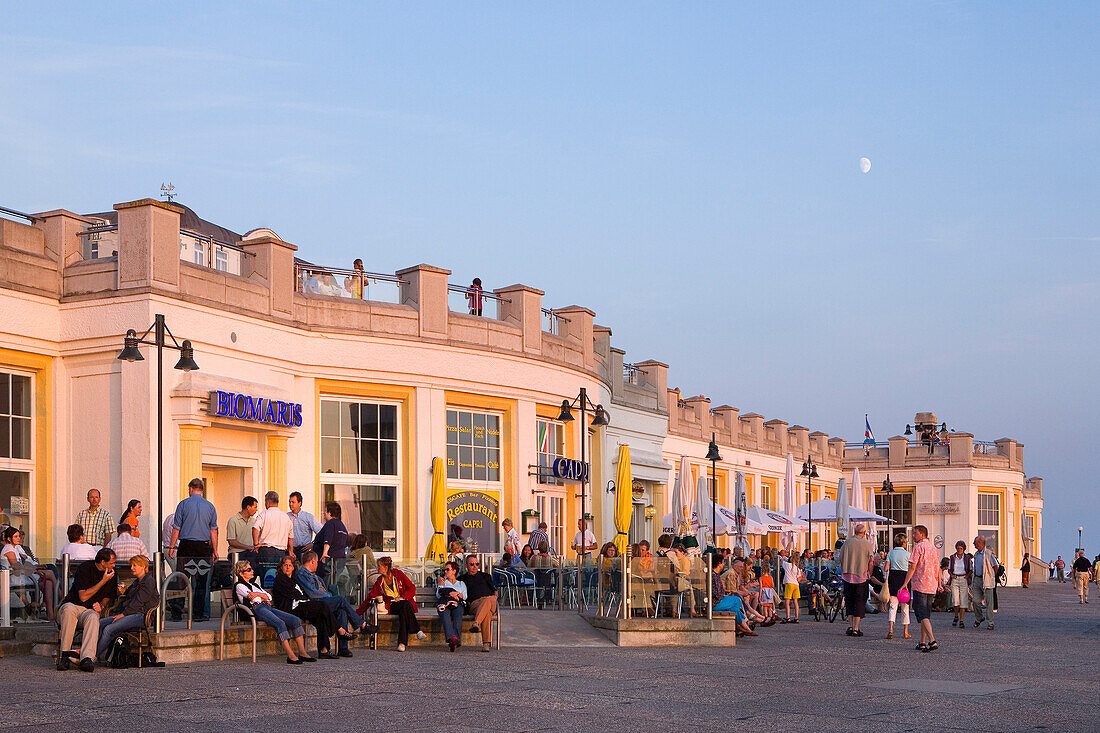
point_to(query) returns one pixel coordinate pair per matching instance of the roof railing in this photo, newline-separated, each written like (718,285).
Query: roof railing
(12,212)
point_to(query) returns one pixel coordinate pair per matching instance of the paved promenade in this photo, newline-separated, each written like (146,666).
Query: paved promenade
(1038,670)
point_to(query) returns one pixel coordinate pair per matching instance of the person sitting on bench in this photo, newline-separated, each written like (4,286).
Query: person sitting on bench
(141,597)
(94,588)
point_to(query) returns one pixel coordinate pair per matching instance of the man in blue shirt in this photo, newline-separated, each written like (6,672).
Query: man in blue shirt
(195,541)
(316,589)
(305,525)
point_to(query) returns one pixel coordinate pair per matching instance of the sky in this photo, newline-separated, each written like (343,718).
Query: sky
(690,172)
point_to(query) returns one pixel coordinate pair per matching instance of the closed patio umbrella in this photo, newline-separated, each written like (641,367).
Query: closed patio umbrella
(437,508)
(740,510)
(790,500)
(624,499)
(843,508)
(683,500)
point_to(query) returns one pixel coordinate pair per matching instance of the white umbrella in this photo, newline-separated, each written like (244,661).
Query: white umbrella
(824,510)
(775,521)
(842,509)
(726,518)
(703,511)
(790,500)
(683,497)
(865,501)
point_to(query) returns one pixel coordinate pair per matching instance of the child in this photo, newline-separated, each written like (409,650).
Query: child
(792,573)
(767,595)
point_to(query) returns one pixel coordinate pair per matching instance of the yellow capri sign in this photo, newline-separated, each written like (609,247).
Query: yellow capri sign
(473,516)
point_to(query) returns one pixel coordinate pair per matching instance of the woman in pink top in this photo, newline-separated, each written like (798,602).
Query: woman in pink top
(923,580)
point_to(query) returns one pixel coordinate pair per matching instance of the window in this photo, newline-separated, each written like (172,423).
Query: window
(221,259)
(989,519)
(1029,527)
(15,416)
(368,510)
(899,507)
(200,254)
(767,495)
(989,510)
(473,446)
(550,447)
(358,438)
(551,509)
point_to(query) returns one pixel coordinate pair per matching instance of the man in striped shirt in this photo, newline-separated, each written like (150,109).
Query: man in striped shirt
(540,535)
(96,521)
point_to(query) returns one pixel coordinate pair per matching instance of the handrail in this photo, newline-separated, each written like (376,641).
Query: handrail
(484,293)
(376,276)
(20,214)
(164,602)
(211,240)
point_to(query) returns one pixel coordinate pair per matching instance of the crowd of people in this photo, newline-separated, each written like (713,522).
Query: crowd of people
(305,553)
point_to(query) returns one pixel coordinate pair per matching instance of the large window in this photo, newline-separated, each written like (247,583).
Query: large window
(473,446)
(358,438)
(550,447)
(1029,527)
(369,510)
(899,507)
(989,519)
(15,416)
(359,443)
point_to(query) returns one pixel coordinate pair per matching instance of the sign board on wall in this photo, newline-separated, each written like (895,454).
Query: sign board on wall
(474,516)
(951,507)
(238,406)
(570,470)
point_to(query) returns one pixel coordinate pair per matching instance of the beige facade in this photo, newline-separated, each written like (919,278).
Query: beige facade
(385,383)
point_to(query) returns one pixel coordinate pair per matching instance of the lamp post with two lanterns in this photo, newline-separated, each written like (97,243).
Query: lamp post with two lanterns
(131,353)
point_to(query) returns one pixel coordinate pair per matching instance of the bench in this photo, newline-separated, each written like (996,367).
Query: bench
(427,617)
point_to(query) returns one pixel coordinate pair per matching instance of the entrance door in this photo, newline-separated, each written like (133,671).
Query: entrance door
(225,487)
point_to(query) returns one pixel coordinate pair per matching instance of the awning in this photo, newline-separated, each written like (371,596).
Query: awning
(646,466)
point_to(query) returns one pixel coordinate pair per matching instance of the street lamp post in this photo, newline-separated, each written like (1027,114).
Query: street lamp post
(809,470)
(599,418)
(130,352)
(713,456)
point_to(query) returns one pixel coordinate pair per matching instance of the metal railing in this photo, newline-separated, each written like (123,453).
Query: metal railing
(553,321)
(985,448)
(12,212)
(633,375)
(489,301)
(352,284)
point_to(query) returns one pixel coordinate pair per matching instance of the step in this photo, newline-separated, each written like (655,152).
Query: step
(10,648)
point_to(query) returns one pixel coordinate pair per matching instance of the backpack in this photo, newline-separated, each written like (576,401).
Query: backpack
(118,654)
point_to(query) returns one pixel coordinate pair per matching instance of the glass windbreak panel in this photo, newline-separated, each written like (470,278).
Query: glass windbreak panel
(991,537)
(15,500)
(368,510)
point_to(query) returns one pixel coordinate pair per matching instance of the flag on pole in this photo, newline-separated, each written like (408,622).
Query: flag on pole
(868,436)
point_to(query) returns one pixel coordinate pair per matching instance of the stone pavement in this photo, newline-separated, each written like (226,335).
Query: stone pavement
(1036,671)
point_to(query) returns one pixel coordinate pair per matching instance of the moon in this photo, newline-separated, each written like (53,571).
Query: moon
(864,165)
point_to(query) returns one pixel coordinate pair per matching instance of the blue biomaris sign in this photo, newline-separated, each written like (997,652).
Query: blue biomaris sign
(237,406)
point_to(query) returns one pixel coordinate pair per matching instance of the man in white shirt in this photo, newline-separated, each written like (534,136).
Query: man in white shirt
(78,549)
(511,537)
(584,542)
(272,533)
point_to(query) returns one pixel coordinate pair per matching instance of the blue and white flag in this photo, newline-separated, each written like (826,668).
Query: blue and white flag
(868,436)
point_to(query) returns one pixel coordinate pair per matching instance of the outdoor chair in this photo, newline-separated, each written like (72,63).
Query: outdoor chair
(142,639)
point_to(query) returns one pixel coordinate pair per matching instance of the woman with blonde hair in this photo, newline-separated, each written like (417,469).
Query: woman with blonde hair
(896,567)
(398,593)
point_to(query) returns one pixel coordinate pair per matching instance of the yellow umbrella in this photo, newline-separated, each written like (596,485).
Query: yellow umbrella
(437,547)
(624,503)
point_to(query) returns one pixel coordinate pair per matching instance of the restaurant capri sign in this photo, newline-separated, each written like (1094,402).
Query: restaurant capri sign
(238,406)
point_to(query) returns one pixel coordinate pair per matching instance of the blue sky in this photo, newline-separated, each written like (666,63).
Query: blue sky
(688,172)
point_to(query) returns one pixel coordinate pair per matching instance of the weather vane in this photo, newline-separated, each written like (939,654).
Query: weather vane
(166,191)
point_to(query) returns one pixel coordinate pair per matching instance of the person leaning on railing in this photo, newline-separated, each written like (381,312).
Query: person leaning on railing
(253,597)
(139,598)
(23,563)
